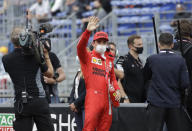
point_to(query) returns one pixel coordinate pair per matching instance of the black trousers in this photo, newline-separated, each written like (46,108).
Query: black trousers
(36,110)
(79,119)
(189,102)
(158,116)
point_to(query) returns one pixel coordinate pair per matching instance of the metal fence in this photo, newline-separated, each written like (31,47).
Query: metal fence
(66,32)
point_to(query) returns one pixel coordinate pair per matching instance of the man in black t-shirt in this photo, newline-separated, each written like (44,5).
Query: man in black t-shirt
(30,102)
(51,83)
(133,81)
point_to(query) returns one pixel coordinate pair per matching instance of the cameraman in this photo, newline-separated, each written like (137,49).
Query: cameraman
(25,72)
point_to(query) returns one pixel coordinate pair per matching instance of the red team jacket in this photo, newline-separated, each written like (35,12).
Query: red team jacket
(95,68)
(98,73)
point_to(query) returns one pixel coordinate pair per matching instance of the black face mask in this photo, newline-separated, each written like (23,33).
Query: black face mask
(139,50)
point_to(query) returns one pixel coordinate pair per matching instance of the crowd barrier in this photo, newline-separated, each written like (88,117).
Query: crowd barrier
(128,117)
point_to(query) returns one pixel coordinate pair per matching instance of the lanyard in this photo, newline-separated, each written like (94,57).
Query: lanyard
(163,51)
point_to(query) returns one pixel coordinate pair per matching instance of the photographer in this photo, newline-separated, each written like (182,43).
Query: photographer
(25,72)
(51,83)
(186,40)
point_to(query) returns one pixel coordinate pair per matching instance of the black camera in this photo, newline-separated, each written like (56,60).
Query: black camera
(33,42)
(28,38)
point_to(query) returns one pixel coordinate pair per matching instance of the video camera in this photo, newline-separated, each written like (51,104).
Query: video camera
(33,42)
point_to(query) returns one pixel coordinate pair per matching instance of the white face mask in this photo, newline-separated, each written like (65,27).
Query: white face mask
(101,49)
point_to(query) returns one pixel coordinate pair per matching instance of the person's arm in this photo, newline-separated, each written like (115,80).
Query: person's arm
(184,81)
(49,72)
(71,99)
(147,73)
(61,75)
(56,65)
(123,94)
(184,76)
(113,79)
(4,63)
(81,47)
(115,84)
(53,80)
(119,74)
(79,101)
(75,104)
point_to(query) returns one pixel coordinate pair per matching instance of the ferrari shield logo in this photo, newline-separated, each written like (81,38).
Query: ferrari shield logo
(99,62)
(96,61)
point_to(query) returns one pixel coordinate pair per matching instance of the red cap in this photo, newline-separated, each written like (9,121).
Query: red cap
(100,35)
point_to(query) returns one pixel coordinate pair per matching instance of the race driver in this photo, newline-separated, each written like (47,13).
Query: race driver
(98,71)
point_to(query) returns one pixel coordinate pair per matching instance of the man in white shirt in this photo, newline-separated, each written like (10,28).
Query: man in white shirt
(41,10)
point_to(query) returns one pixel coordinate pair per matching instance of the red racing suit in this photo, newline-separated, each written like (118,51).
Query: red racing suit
(98,72)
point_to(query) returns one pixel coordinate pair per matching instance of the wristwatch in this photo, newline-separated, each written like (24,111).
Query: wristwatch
(126,97)
(56,81)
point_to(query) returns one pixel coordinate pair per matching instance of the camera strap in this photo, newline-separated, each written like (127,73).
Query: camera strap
(25,87)
(19,106)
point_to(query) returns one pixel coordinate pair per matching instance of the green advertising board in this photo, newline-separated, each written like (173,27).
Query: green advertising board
(6,122)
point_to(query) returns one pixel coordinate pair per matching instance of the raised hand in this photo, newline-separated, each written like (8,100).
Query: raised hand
(93,23)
